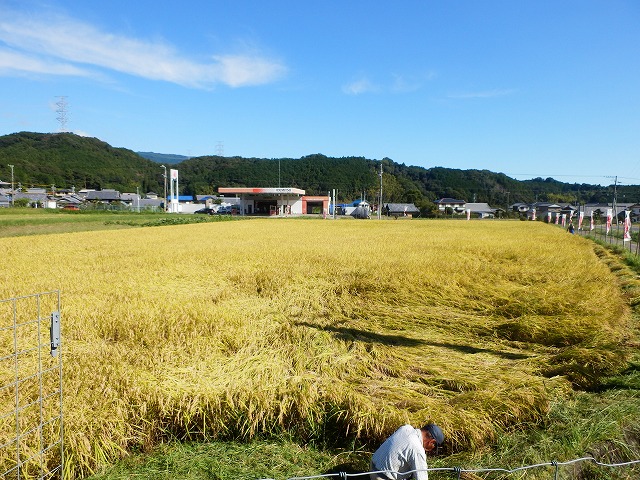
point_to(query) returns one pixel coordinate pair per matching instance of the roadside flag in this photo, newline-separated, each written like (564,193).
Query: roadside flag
(591,225)
(564,220)
(627,227)
(557,218)
(580,218)
(548,217)
(468,214)
(609,215)
(533,215)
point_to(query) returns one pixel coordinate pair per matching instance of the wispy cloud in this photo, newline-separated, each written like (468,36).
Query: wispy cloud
(59,45)
(483,94)
(360,86)
(398,84)
(13,62)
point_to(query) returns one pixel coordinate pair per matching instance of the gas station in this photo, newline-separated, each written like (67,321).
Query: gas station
(277,201)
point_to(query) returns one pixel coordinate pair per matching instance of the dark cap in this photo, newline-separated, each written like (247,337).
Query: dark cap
(435,432)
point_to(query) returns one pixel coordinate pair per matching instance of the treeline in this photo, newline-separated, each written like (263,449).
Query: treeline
(67,160)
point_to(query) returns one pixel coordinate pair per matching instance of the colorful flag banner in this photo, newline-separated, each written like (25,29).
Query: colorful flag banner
(592,224)
(533,215)
(627,227)
(548,217)
(557,218)
(564,220)
(609,218)
(468,214)
(580,218)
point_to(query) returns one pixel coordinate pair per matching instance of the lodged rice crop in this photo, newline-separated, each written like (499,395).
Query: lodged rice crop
(331,330)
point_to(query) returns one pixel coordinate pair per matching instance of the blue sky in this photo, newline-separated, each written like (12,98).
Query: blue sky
(545,88)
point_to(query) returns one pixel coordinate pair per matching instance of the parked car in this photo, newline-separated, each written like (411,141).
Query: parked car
(206,211)
(225,210)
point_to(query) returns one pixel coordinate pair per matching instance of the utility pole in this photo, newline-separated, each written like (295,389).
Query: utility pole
(165,187)
(13,193)
(380,200)
(334,194)
(615,197)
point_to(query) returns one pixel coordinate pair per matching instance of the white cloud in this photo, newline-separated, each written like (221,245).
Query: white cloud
(20,63)
(483,94)
(59,45)
(239,70)
(402,84)
(358,87)
(399,84)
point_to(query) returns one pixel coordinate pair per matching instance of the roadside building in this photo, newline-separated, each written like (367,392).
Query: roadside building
(70,202)
(275,201)
(544,208)
(103,196)
(408,210)
(456,205)
(521,208)
(482,210)
(37,200)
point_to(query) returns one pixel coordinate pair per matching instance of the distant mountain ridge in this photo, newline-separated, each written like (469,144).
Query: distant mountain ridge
(163,157)
(64,160)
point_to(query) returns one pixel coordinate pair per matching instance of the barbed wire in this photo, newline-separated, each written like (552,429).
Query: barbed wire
(459,472)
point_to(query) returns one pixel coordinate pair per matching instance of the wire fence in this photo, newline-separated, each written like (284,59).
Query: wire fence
(31,434)
(554,467)
(614,234)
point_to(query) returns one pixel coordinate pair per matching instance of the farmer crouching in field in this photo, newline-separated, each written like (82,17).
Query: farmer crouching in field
(405,451)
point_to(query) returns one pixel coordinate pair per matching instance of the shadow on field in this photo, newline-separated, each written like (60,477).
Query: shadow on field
(354,334)
(472,350)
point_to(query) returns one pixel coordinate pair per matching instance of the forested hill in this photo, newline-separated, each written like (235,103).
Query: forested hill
(67,160)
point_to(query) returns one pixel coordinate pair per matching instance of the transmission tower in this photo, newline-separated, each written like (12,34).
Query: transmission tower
(220,149)
(62,113)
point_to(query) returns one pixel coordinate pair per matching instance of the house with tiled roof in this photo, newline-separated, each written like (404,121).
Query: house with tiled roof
(455,204)
(103,196)
(37,200)
(408,210)
(482,210)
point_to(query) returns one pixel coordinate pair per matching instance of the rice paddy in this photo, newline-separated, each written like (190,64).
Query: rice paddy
(337,331)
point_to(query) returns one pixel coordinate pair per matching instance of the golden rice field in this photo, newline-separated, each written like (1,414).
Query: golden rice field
(344,328)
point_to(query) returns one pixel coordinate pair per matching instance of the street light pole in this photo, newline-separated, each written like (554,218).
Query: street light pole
(165,187)
(13,193)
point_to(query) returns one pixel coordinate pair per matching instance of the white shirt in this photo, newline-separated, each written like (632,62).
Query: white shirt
(402,452)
